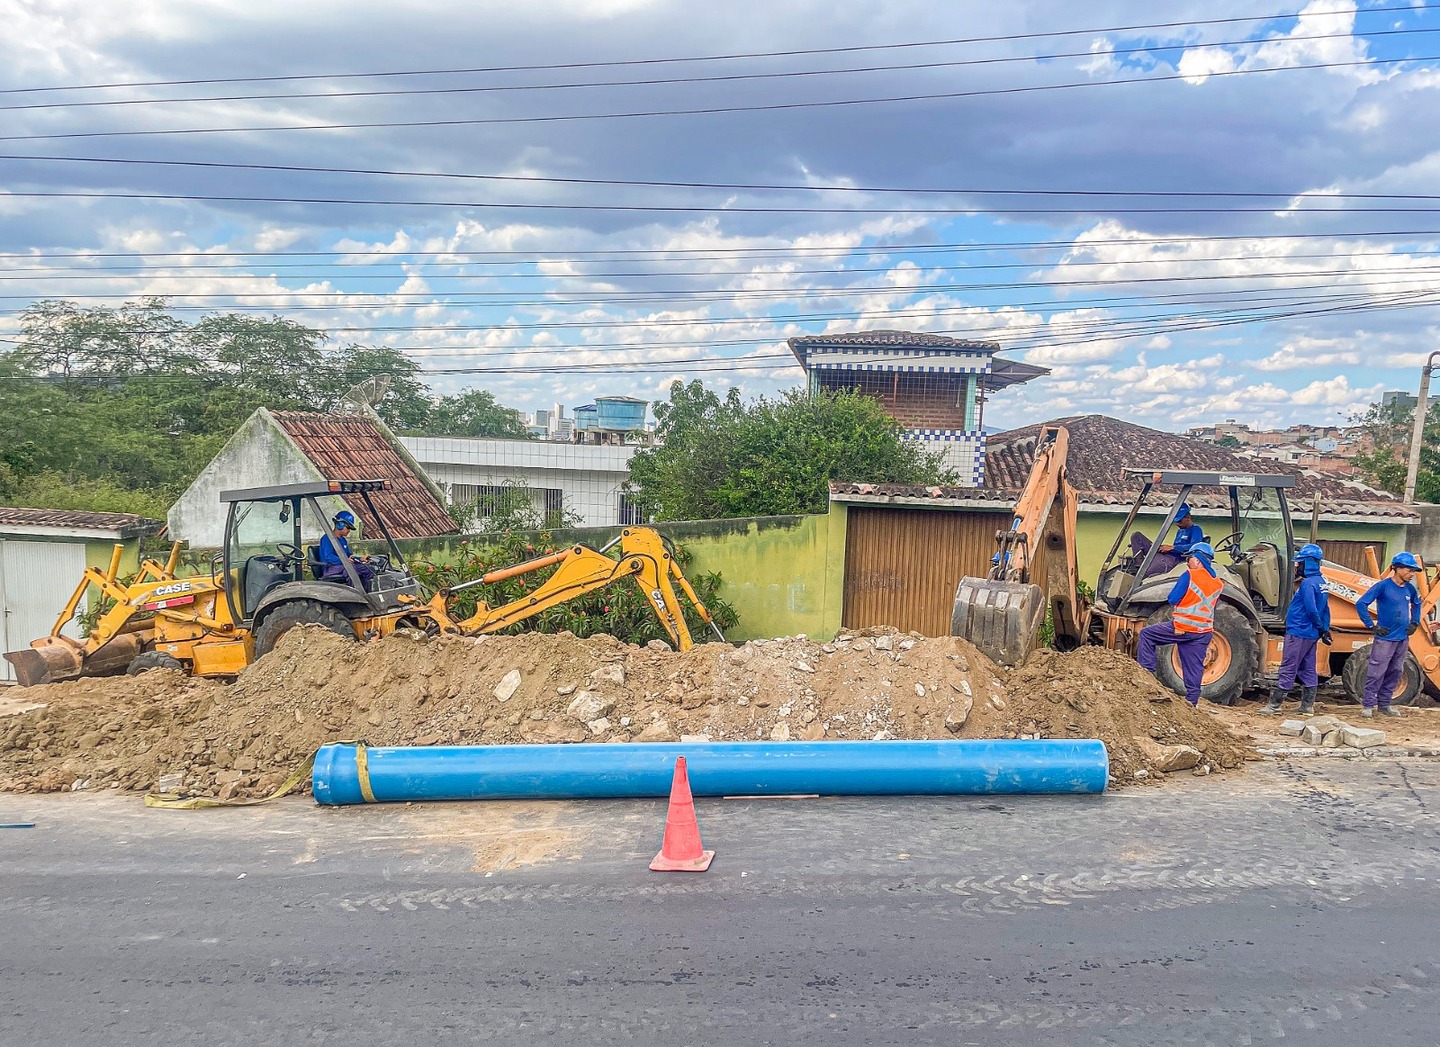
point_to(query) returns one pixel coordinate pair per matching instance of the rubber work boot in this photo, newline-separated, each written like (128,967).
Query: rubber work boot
(1277,699)
(1367,713)
(1307,701)
(1385,710)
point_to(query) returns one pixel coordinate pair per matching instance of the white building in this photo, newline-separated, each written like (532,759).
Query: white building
(578,480)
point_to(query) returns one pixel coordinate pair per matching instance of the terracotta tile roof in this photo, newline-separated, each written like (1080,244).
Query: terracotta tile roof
(353,447)
(893,339)
(1102,447)
(128,524)
(912,492)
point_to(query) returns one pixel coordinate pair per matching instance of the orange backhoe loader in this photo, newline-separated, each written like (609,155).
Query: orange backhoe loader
(265,582)
(1002,614)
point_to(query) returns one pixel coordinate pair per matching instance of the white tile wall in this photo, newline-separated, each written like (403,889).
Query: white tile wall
(590,475)
(962,451)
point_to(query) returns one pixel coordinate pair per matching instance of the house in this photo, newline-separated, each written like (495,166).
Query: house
(577,483)
(933,385)
(906,547)
(43,553)
(284,447)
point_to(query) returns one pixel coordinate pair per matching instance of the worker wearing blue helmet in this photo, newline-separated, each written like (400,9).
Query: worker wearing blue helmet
(1397,616)
(1170,555)
(1307,623)
(334,570)
(1192,626)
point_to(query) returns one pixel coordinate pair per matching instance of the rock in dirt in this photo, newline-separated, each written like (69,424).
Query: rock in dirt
(588,706)
(1169,758)
(508,685)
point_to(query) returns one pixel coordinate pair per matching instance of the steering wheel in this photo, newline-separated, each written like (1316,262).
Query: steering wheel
(1231,544)
(289,554)
(380,561)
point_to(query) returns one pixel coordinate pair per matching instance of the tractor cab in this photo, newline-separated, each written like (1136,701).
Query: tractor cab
(272,552)
(1252,555)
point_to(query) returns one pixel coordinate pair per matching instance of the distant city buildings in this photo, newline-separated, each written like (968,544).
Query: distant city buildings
(1325,449)
(614,420)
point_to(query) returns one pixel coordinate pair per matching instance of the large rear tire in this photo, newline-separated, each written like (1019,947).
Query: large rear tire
(153,660)
(1229,661)
(299,612)
(1352,677)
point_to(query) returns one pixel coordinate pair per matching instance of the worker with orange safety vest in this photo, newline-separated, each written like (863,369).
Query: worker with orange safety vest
(1192,623)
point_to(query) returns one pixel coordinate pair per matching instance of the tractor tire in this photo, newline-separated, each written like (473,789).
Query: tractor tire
(153,660)
(1352,677)
(1230,660)
(299,612)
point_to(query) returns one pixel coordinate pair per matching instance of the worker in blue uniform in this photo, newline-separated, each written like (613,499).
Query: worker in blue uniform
(1192,626)
(1397,616)
(344,526)
(1187,535)
(1307,623)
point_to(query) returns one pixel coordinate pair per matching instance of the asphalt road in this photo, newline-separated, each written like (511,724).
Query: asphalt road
(1296,901)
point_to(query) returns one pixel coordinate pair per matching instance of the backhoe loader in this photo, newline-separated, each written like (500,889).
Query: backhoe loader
(265,582)
(1003,613)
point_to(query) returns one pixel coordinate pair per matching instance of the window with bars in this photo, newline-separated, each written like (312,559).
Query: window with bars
(630,511)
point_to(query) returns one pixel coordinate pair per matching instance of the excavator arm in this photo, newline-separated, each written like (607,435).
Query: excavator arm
(1002,613)
(644,558)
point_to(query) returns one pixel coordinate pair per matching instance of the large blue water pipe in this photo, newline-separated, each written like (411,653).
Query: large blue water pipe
(347,773)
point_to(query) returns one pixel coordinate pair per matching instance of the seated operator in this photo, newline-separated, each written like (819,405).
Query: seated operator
(344,524)
(1167,557)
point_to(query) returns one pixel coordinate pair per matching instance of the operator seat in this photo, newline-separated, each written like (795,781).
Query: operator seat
(1264,574)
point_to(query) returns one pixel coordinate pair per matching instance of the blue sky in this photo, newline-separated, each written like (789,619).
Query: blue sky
(1228,217)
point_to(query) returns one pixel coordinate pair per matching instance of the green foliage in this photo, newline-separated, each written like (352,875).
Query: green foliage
(726,458)
(620,610)
(1230,443)
(510,506)
(117,409)
(475,412)
(1389,428)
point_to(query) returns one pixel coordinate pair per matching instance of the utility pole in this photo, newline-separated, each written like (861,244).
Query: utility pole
(1415,437)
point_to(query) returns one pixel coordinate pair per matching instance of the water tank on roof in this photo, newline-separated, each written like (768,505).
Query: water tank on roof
(585,417)
(620,412)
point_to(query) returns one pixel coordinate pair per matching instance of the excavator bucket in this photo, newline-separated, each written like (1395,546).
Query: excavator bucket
(52,659)
(1002,619)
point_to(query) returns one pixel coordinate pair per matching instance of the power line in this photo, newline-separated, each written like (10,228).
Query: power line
(730,186)
(588,256)
(688,209)
(794,53)
(716,110)
(676,81)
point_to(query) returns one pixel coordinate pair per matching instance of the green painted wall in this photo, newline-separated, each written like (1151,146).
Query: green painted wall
(98,550)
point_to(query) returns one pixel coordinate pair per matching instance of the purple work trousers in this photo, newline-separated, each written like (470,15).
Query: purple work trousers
(1190,646)
(1163,562)
(1298,662)
(1382,675)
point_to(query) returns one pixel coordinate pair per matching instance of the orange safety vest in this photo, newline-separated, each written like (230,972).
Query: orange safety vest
(1195,613)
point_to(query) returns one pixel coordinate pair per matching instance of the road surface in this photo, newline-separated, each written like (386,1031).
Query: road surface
(1295,901)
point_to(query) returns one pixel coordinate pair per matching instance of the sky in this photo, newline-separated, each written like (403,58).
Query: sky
(1235,214)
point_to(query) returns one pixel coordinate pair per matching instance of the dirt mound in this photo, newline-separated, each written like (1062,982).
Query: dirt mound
(1096,693)
(164,730)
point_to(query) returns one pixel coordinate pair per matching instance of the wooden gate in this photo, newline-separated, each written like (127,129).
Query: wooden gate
(902,565)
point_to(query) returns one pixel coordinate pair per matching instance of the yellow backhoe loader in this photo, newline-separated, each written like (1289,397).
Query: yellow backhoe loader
(265,581)
(1003,613)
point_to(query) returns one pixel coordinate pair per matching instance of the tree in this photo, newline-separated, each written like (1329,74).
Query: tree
(1230,443)
(108,407)
(475,412)
(725,458)
(1388,428)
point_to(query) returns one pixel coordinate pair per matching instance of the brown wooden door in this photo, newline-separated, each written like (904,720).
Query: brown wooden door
(1351,554)
(902,565)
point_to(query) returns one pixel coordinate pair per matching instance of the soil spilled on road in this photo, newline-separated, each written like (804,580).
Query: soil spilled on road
(164,730)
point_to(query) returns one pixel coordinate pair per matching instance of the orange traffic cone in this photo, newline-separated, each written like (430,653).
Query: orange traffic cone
(681,850)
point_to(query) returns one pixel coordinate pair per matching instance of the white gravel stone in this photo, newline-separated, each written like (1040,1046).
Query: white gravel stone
(508,685)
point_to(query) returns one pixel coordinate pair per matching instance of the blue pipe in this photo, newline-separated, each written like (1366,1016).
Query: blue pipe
(572,772)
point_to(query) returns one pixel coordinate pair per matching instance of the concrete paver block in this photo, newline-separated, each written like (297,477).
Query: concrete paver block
(1362,737)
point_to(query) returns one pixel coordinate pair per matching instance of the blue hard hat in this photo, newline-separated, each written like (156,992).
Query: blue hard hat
(346,517)
(1405,560)
(1183,511)
(1310,552)
(1203,550)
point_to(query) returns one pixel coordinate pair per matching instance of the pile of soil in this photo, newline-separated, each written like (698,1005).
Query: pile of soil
(164,730)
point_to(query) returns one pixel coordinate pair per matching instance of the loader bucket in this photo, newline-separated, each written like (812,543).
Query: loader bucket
(1002,619)
(51,659)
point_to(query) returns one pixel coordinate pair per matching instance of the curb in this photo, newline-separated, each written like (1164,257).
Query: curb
(1347,753)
